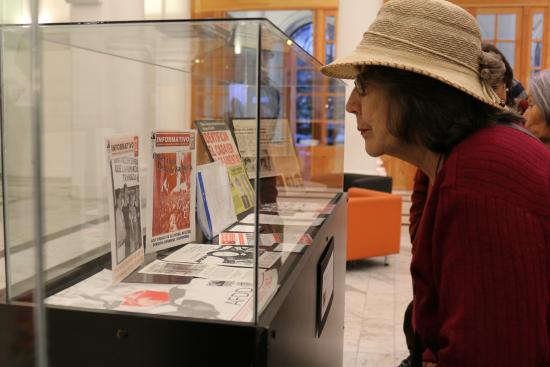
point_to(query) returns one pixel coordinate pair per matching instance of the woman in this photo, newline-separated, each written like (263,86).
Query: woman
(537,116)
(506,87)
(479,266)
(500,77)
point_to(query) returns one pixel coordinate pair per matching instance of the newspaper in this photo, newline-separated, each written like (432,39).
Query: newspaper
(242,191)
(223,255)
(294,220)
(219,142)
(236,239)
(201,298)
(212,272)
(127,251)
(289,207)
(215,210)
(221,147)
(171,194)
(276,147)
(286,165)
(245,228)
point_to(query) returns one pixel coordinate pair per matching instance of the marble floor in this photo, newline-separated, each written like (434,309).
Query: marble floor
(376,299)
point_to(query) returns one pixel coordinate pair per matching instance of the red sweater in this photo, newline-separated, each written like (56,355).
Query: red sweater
(481,256)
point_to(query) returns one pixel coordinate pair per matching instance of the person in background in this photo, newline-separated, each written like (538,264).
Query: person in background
(537,116)
(507,88)
(480,255)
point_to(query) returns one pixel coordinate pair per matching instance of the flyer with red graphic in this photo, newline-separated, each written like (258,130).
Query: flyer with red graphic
(201,298)
(124,203)
(171,194)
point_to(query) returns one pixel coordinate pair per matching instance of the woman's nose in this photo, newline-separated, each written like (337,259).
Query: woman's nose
(353,105)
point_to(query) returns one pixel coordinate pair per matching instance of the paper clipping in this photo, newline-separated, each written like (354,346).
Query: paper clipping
(124,202)
(171,217)
(212,272)
(277,154)
(223,255)
(221,147)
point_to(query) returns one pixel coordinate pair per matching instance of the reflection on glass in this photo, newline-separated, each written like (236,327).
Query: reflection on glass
(329,30)
(304,78)
(303,36)
(507,27)
(335,133)
(304,108)
(334,85)
(536,54)
(303,132)
(329,108)
(487,24)
(538,23)
(330,51)
(508,49)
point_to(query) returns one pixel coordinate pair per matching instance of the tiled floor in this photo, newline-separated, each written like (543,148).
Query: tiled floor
(376,299)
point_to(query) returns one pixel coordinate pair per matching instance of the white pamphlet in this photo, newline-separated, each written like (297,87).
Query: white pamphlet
(215,211)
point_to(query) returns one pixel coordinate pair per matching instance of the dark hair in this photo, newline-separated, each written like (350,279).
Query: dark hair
(508,74)
(430,113)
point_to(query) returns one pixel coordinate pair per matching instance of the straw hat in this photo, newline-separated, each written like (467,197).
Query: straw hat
(430,37)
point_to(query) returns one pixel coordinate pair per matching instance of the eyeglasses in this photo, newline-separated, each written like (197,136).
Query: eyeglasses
(360,85)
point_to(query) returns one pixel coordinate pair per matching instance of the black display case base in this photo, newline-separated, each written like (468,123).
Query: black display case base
(287,333)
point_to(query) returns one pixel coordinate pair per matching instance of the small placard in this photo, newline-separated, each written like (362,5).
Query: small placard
(325,286)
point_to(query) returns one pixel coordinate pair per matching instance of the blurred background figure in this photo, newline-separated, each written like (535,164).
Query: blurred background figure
(537,116)
(508,88)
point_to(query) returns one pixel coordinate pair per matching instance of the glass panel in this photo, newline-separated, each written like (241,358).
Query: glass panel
(97,215)
(304,133)
(534,72)
(508,49)
(538,25)
(118,181)
(304,108)
(536,54)
(487,24)
(22,335)
(330,52)
(507,26)
(335,133)
(329,28)
(303,36)
(304,81)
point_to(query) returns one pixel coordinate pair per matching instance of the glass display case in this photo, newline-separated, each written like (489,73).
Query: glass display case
(172,195)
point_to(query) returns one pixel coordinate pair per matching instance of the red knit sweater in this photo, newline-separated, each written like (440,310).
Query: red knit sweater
(481,256)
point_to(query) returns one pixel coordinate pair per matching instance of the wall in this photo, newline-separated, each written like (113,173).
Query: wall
(85,94)
(354,17)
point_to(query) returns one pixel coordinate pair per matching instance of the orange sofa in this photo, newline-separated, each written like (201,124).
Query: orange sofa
(374,223)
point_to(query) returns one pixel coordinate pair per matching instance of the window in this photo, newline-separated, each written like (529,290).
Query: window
(536,42)
(500,27)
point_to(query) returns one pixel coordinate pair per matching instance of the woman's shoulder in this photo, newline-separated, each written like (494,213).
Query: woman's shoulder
(501,161)
(503,143)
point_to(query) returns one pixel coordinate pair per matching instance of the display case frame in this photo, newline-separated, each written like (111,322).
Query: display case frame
(297,275)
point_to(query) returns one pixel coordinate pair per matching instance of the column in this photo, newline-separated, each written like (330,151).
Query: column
(354,17)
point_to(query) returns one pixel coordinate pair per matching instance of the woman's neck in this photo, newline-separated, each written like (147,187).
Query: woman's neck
(427,161)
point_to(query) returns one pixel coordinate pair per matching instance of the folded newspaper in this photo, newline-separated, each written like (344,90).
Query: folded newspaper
(212,272)
(201,298)
(223,255)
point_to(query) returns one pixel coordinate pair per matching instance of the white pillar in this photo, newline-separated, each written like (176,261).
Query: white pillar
(108,94)
(354,17)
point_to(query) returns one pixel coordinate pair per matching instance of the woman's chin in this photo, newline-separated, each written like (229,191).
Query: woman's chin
(373,151)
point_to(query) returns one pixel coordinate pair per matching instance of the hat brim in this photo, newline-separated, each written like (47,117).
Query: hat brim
(456,76)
